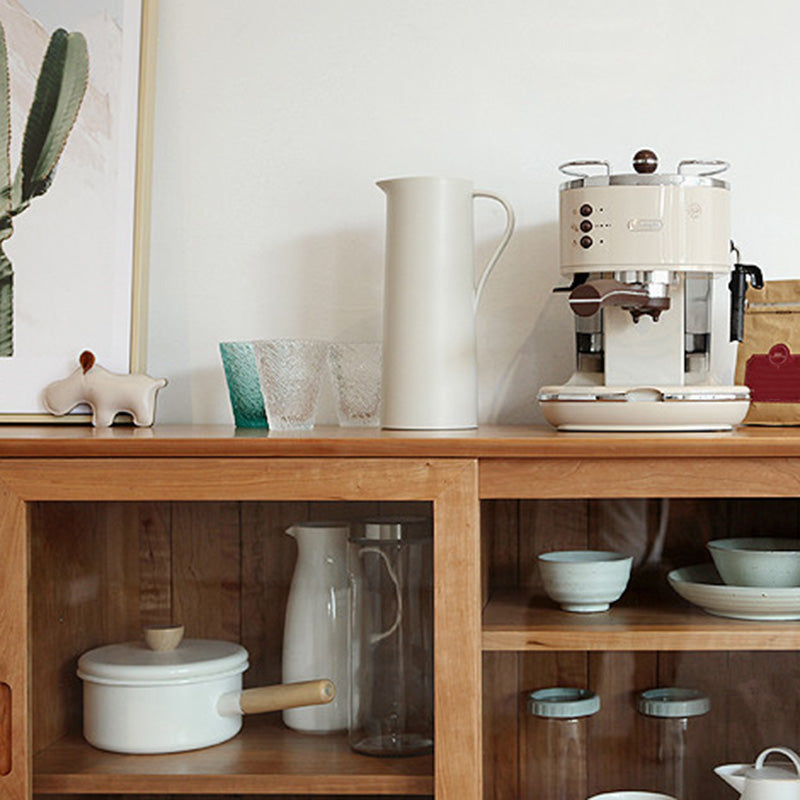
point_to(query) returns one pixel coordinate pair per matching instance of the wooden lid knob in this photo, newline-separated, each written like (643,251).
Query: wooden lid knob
(163,637)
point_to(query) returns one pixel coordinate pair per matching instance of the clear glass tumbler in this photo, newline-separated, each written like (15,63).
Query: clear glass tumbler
(671,709)
(564,712)
(290,371)
(391,636)
(356,375)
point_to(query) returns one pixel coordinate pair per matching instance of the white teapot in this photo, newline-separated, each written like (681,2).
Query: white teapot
(760,782)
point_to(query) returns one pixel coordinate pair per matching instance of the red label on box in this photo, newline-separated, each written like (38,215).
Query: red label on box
(774,377)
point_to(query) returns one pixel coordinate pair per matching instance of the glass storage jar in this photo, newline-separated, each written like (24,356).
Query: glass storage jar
(672,708)
(564,711)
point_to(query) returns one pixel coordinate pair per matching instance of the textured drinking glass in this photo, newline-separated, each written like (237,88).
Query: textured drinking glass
(291,373)
(244,387)
(356,375)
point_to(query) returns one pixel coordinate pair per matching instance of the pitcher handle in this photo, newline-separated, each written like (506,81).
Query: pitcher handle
(500,247)
(377,637)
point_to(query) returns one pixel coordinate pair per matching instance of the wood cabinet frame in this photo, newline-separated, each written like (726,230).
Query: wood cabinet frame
(451,485)
(454,473)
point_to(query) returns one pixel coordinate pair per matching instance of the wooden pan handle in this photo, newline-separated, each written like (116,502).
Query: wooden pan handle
(286,695)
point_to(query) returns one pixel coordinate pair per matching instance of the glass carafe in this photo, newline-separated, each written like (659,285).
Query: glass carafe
(391,636)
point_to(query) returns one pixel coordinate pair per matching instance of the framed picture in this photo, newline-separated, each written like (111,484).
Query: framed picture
(78,244)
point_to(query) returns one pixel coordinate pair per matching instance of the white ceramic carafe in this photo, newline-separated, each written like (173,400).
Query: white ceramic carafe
(430,299)
(315,630)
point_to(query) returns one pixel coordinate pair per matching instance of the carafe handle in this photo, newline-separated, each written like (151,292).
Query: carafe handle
(500,247)
(377,637)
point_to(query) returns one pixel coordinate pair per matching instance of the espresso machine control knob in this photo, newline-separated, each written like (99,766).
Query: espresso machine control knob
(645,161)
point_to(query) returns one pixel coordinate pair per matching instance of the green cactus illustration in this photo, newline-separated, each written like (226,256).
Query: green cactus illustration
(60,88)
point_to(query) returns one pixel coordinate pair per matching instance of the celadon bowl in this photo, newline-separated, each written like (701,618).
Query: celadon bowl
(585,581)
(757,561)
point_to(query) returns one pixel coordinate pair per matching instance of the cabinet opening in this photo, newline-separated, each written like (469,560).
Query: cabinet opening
(753,705)
(661,534)
(102,571)
(651,637)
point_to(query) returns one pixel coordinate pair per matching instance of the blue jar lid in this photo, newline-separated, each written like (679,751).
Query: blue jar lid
(563,702)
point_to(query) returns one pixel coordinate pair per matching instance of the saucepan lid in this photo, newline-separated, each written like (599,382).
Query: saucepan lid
(137,663)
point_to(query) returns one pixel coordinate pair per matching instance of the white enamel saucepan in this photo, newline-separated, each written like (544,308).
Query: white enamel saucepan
(165,695)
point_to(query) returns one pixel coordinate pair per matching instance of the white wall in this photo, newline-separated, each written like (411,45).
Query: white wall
(274,119)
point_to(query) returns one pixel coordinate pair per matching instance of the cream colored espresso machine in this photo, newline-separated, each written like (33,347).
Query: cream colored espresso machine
(643,251)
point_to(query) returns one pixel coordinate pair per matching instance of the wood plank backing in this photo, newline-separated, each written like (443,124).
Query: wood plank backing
(762,703)
(623,751)
(206,559)
(705,738)
(67,554)
(547,525)
(268,560)
(155,562)
(499,545)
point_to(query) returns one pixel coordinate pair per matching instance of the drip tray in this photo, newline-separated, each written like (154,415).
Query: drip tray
(644,408)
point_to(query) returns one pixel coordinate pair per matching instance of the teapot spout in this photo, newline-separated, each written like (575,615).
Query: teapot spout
(728,773)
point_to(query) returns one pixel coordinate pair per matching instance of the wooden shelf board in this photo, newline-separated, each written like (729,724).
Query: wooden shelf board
(487,442)
(264,758)
(518,621)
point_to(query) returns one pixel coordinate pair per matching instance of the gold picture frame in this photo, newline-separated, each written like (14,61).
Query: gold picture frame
(144,12)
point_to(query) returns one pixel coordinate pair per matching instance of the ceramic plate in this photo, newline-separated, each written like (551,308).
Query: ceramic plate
(702,586)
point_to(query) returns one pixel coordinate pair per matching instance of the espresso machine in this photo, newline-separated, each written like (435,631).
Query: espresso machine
(643,251)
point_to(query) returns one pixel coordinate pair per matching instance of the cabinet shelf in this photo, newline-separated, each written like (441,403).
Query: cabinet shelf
(264,758)
(515,621)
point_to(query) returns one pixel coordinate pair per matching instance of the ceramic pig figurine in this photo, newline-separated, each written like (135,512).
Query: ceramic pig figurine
(106,392)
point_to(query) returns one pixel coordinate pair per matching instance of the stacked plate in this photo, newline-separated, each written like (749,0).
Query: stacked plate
(751,578)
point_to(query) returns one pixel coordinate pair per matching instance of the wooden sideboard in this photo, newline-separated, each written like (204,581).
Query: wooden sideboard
(105,531)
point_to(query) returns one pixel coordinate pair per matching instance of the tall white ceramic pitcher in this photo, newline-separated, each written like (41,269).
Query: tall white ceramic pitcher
(315,631)
(431,295)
